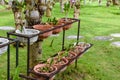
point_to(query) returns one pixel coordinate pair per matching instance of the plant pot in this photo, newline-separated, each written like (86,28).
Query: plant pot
(39,66)
(64,21)
(2,42)
(56,31)
(81,46)
(71,56)
(78,49)
(28,33)
(62,64)
(43,27)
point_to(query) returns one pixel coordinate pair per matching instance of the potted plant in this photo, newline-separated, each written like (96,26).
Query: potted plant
(2,42)
(28,32)
(55,23)
(80,47)
(71,56)
(45,69)
(43,27)
(61,64)
(60,61)
(66,20)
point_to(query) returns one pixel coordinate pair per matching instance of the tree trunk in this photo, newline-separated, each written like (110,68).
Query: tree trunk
(99,2)
(3,2)
(61,5)
(108,3)
(84,2)
(76,13)
(35,49)
(35,53)
(77,9)
(115,2)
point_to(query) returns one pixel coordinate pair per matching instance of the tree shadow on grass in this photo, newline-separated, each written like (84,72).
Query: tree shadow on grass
(116,13)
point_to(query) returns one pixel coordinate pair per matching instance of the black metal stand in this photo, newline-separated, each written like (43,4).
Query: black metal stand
(31,36)
(28,47)
(78,33)
(8,53)
(47,77)
(63,41)
(28,56)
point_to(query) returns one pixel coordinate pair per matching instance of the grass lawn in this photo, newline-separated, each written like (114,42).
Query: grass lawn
(101,62)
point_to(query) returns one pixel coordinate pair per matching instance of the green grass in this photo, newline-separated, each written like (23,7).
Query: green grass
(101,62)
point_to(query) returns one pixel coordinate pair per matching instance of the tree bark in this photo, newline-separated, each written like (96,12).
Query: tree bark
(76,13)
(36,48)
(35,53)
(61,5)
(115,2)
(3,2)
(99,2)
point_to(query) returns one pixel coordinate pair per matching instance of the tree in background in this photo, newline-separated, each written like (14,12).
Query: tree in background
(115,2)
(28,13)
(77,9)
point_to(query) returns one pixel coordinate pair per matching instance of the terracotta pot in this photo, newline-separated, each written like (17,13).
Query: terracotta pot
(62,63)
(71,56)
(83,44)
(38,66)
(65,22)
(43,28)
(56,31)
(78,49)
